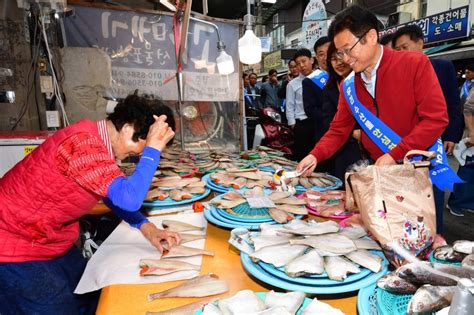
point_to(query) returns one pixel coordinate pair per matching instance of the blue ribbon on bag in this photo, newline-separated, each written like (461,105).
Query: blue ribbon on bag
(248,98)
(319,77)
(386,139)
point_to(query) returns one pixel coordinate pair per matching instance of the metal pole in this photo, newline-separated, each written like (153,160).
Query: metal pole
(205,8)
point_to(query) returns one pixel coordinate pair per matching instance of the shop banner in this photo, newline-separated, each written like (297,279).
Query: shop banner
(441,27)
(142,51)
(314,24)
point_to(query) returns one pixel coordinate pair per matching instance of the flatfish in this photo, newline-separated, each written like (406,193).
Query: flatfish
(278,255)
(338,267)
(158,267)
(308,264)
(178,226)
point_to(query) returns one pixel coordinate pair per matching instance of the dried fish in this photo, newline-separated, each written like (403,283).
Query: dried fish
(186,237)
(353,232)
(231,195)
(305,182)
(320,308)
(179,195)
(291,301)
(211,309)
(194,190)
(278,255)
(200,286)
(366,259)
(280,216)
(315,229)
(333,243)
(158,267)
(393,283)
(468,261)
(430,298)
(185,251)
(228,204)
(338,267)
(417,273)
(186,309)
(293,209)
(367,244)
(261,241)
(244,302)
(307,264)
(290,201)
(278,195)
(156,194)
(178,226)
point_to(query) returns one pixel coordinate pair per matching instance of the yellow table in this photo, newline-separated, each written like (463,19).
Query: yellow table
(132,299)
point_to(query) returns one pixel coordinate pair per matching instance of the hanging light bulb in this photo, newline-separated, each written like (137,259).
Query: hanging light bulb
(250,48)
(225,64)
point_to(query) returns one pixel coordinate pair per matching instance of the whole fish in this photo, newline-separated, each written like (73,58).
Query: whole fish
(338,267)
(186,309)
(393,283)
(243,302)
(200,286)
(278,255)
(158,267)
(465,247)
(447,253)
(178,226)
(308,264)
(415,273)
(185,251)
(430,298)
(366,259)
(333,243)
(291,301)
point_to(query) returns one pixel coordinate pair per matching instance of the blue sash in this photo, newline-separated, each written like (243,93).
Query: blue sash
(386,139)
(465,89)
(319,77)
(248,98)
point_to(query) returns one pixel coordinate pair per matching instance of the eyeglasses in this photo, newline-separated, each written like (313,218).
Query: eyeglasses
(346,52)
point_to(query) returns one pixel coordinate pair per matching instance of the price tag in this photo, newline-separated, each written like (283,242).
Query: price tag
(260,202)
(28,149)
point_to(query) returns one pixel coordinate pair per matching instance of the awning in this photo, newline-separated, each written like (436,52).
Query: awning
(455,54)
(437,49)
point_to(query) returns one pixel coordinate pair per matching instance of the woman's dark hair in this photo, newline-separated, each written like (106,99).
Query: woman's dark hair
(138,111)
(334,78)
(355,19)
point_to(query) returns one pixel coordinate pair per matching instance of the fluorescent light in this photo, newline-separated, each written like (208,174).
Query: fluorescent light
(250,48)
(167,4)
(268,1)
(225,64)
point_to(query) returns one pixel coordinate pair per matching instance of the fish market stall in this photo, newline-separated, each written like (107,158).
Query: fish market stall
(132,299)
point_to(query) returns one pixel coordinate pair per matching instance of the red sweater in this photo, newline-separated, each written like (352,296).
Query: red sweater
(408,99)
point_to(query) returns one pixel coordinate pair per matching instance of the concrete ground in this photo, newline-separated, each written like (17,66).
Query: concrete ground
(457,228)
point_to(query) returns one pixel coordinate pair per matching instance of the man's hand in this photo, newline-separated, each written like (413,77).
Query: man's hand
(155,236)
(309,162)
(385,159)
(449,147)
(159,133)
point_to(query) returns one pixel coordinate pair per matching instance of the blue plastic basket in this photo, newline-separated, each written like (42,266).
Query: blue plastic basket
(433,259)
(367,301)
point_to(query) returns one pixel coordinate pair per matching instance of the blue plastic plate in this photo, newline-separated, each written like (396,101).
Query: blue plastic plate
(258,272)
(168,202)
(211,185)
(262,295)
(213,216)
(366,301)
(230,216)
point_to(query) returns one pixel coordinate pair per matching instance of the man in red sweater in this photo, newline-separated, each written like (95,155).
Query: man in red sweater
(400,88)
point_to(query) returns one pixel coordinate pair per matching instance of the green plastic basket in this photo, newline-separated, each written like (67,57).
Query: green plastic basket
(392,303)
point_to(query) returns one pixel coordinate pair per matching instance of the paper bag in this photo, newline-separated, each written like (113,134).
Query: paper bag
(396,202)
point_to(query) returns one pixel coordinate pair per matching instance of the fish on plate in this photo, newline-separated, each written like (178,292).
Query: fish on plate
(366,259)
(312,228)
(447,253)
(310,263)
(320,308)
(337,267)
(243,302)
(332,243)
(393,283)
(291,301)
(278,255)
(280,216)
(463,246)
(178,226)
(429,298)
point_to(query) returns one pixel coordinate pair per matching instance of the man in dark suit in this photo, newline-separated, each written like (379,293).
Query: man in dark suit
(411,38)
(253,91)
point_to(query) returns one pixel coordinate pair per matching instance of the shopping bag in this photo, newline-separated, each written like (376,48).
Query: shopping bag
(396,202)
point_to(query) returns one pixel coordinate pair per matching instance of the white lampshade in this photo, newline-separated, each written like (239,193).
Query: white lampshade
(225,64)
(250,48)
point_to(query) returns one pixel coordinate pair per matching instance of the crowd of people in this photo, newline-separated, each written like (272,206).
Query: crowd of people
(418,98)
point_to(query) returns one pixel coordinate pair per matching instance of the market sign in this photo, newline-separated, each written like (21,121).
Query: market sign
(142,52)
(441,27)
(272,61)
(314,23)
